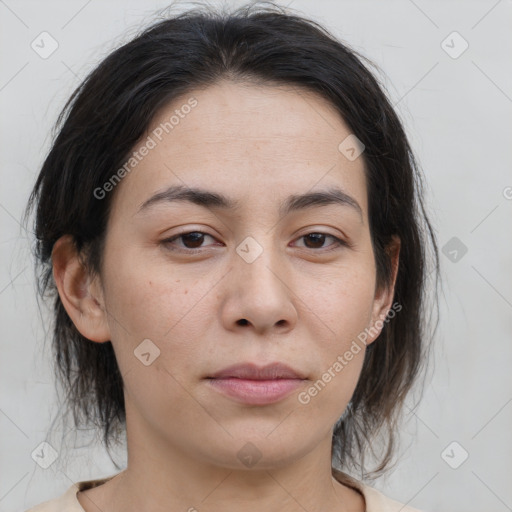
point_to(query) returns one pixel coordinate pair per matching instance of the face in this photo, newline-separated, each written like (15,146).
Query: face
(192,287)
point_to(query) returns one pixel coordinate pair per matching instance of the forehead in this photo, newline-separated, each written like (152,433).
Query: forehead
(248,141)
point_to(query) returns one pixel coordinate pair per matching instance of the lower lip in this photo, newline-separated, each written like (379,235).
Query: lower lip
(256,392)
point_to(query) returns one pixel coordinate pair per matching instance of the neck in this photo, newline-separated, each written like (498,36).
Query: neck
(161,474)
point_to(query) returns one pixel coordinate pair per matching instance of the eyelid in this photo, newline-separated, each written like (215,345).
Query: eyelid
(340,237)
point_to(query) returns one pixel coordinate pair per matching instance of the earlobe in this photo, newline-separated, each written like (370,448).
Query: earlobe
(384,297)
(79,293)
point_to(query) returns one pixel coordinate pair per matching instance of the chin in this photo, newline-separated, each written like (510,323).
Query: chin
(258,450)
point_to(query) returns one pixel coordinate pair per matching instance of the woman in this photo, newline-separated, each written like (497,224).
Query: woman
(231,222)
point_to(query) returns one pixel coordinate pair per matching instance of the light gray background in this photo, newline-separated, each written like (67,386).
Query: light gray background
(457,113)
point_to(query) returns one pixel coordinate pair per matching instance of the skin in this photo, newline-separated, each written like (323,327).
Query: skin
(303,304)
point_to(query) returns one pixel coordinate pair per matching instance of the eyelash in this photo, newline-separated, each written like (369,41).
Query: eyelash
(339,243)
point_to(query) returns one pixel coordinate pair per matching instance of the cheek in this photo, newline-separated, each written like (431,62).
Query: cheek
(152,301)
(342,312)
(150,298)
(156,317)
(344,304)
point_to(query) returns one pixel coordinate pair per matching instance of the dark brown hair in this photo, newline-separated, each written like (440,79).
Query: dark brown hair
(113,107)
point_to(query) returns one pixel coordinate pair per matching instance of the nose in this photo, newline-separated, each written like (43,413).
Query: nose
(259,296)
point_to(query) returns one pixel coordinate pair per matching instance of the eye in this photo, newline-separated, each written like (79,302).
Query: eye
(191,240)
(316,240)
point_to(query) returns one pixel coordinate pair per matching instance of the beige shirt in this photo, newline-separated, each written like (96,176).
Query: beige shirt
(375,500)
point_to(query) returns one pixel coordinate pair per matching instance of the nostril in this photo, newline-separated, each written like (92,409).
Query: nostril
(242,321)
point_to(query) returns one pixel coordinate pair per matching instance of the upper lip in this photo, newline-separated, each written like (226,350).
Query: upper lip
(251,371)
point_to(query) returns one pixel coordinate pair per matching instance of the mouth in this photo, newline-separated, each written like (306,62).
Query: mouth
(250,384)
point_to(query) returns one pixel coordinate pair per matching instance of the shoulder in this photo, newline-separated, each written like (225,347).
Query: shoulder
(378,502)
(375,500)
(68,502)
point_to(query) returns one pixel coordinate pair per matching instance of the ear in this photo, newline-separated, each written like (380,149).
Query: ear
(383,297)
(81,295)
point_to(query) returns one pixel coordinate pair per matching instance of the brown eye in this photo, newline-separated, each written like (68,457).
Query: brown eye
(314,240)
(192,240)
(317,241)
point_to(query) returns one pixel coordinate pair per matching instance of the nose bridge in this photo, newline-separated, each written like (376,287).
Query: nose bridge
(260,262)
(259,293)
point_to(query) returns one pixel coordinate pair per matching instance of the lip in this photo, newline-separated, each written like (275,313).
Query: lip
(251,384)
(252,371)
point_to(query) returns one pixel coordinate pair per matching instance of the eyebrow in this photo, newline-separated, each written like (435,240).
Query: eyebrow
(215,200)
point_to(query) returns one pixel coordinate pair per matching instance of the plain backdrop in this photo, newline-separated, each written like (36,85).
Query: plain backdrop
(448,69)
